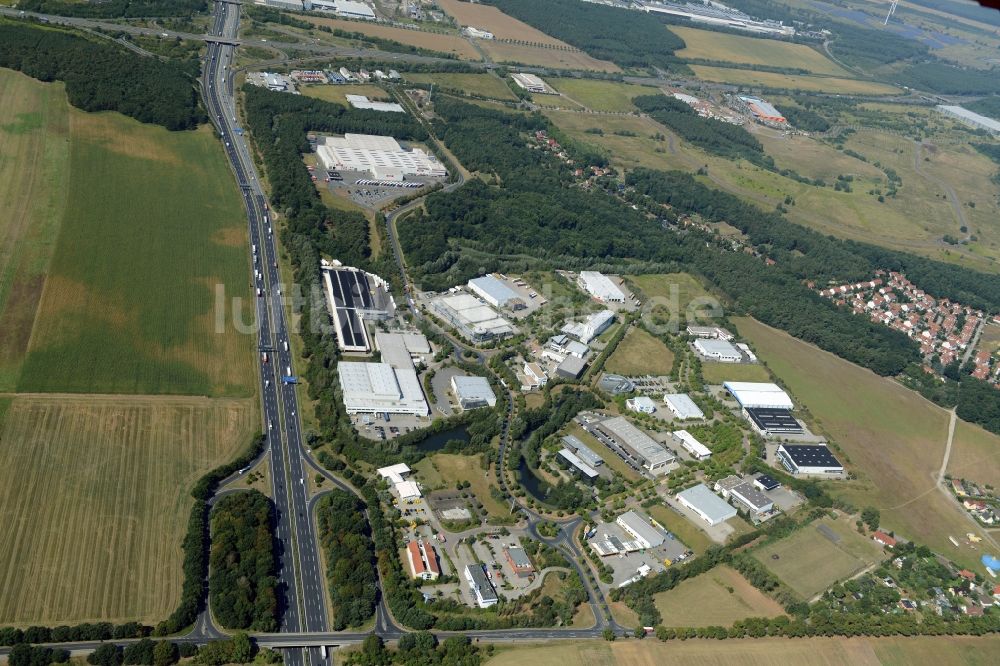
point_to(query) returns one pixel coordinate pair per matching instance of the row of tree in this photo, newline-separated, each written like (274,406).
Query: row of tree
(242,583)
(103,77)
(115,8)
(350,558)
(98,631)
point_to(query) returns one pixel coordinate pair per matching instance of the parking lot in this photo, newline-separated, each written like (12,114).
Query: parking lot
(625,565)
(371,426)
(370,195)
(444,401)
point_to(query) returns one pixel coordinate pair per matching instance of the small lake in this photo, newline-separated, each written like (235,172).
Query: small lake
(437,441)
(536,487)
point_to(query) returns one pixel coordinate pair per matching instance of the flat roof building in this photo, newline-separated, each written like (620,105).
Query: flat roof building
(808,459)
(518,560)
(529,82)
(769,421)
(473,392)
(379,155)
(970,118)
(574,463)
(710,507)
(709,332)
(765,482)
(682,406)
(571,367)
(641,529)
(375,388)
(582,451)
(759,394)
(600,287)
(690,444)
(762,110)
(615,384)
(473,320)
(633,445)
(641,404)
(394,473)
(345,8)
(399,349)
(423,560)
(481,586)
(751,499)
(718,350)
(588,329)
(495,292)
(362,102)
(353,296)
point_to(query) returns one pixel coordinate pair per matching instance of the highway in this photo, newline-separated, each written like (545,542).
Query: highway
(300,575)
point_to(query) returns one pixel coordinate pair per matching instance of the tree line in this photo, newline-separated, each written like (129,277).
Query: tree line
(103,77)
(628,39)
(947,79)
(350,559)
(115,8)
(242,582)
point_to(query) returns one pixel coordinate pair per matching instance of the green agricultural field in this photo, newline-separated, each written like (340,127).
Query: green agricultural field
(889,436)
(336,93)
(34,127)
(94,499)
(601,95)
(483,85)
(708,45)
(827,84)
(716,373)
(149,261)
(716,598)
(639,353)
(816,556)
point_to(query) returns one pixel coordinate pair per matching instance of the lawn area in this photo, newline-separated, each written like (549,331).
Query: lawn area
(94,533)
(716,373)
(434,41)
(484,85)
(708,45)
(706,600)
(492,19)
(635,147)
(336,93)
(819,651)
(813,158)
(891,437)
(544,57)
(816,556)
(610,458)
(149,262)
(677,293)
(602,95)
(827,84)
(34,127)
(975,455)
(442,470)
(682,528)
(640,354)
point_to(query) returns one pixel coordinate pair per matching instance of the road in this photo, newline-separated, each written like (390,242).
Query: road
(300,575)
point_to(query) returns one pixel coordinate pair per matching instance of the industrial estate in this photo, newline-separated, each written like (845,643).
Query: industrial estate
(440,331)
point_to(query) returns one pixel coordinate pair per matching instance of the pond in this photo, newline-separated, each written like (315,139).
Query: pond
(536,487)
(437,441)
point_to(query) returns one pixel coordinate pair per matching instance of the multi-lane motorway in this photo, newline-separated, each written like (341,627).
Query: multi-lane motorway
(300,573)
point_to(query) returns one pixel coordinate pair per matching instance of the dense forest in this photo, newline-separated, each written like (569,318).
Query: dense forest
(350,559)
(714,135)
(627,38)
(115,8)
(987,106)
(950,80)
(242,583)
(804,119)
(102,77)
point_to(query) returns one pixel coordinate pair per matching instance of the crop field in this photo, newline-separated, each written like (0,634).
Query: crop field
(640,354)
(889,436)
(94,533)
(336,93)
(706,601)
(819,651)
(442,470)
(148,268)
(975,455)
(716,373)
(34,127)
(484,85)
(545,57)
(601,95)
(827,84)
(492,19)
(445,43)
(818,555)
(707,45)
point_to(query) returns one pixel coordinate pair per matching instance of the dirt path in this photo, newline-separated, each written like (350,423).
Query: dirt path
(956,205)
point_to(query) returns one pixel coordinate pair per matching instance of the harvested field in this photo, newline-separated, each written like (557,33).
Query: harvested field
(819,651)
(709,45)
(34,128)
(545,57)
(483,85)
(639,353)
(445,43)
(501,25)
(602,95)
(818,555)
(827,84)
(889,436)
(94,495)
(149,266)
(706,600)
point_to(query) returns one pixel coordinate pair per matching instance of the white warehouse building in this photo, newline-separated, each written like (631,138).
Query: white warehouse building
(600,287)
(759,394)
(710,507)
(718,350)
(494,291)
(382,156)
(375,388)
